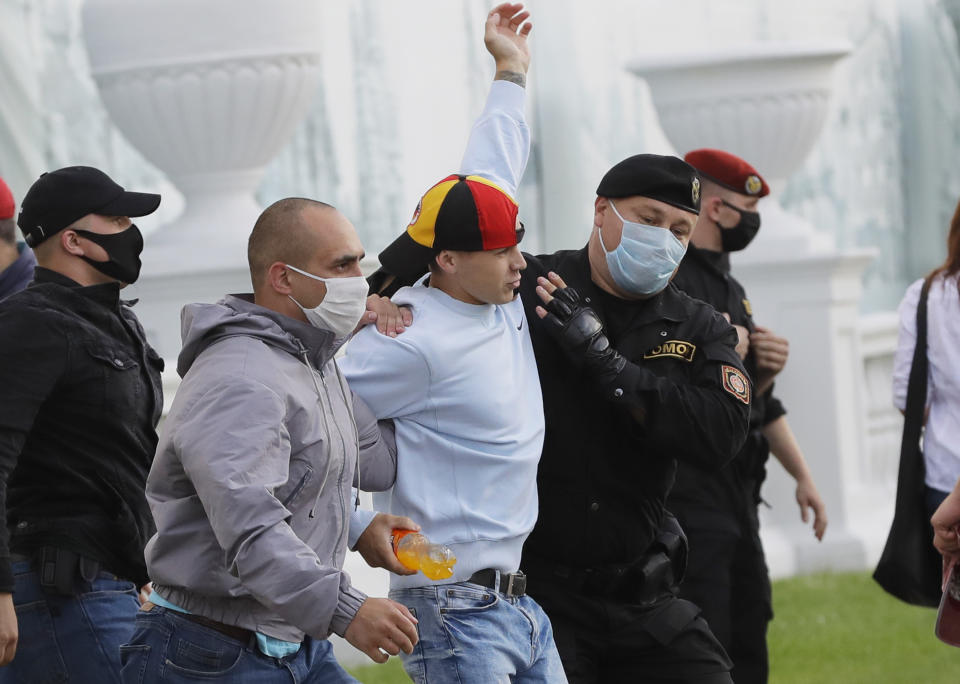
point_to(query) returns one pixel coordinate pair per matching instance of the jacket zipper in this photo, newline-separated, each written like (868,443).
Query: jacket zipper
(343,461)
(326,425)
(348,402)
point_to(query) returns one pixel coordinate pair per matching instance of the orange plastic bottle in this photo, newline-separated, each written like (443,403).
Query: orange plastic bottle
(415,552)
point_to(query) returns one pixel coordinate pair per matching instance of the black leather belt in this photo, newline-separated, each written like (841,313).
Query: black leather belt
(62,571)
(232,631)
(514,584)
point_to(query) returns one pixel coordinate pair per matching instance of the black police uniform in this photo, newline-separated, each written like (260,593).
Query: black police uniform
(727,574)
(605,557)
(80,398)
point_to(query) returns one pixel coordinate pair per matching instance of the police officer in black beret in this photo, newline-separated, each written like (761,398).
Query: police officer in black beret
(80,397)
(635,375)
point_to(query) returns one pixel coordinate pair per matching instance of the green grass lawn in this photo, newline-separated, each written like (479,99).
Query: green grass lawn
(829,629)
(391,673)
(843,628)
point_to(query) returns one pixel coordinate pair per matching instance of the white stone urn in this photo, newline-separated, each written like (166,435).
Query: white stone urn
(208,91)
(764,102)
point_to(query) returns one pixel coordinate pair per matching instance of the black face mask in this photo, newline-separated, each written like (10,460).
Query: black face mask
(124,251)
(735,238)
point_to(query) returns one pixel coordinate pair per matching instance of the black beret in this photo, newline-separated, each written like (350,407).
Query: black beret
(60,197)
(662,178)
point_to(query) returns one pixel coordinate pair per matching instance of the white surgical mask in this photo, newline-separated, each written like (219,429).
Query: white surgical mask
(645,259)
(341,308)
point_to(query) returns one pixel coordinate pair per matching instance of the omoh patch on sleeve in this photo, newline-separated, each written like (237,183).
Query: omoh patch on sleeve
(678,349)
(736,383)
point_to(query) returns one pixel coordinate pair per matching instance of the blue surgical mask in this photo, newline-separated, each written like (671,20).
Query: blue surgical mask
(645,259)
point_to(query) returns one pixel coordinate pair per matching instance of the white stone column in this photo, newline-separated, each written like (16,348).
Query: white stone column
(813,301)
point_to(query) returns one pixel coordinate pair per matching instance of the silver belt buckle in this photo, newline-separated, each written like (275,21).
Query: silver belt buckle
(518,581)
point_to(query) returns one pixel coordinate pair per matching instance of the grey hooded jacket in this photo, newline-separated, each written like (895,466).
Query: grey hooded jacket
(250,487)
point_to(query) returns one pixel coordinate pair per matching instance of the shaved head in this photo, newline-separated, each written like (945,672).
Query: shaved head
(286,231)
(710,189)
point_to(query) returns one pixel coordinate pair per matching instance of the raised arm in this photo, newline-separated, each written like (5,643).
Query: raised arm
(499,142)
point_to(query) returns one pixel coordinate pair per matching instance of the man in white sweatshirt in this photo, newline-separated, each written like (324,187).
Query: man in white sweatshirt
(462,387)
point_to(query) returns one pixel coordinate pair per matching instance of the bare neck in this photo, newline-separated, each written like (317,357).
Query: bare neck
(274,301)
(8,254)
(450,286)
(74,268)
(706,235)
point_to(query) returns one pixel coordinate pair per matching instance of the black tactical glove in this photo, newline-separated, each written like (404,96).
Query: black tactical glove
(579,331)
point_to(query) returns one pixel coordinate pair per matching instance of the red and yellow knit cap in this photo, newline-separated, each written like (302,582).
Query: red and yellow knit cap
(729,171)
(464,213)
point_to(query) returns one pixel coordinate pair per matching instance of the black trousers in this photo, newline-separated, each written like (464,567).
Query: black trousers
(727,577)
(602,641)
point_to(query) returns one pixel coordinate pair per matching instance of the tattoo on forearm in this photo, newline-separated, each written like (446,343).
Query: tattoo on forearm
(513,77)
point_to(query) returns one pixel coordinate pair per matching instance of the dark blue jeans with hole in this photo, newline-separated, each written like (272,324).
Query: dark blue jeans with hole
(70,638)
(167,647)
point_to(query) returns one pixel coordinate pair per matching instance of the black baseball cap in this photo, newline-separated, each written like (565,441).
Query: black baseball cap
(58,198)
(662,178)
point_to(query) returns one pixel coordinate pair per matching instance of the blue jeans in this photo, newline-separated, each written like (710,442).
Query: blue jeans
(473,635)
(167,647)
(70,637)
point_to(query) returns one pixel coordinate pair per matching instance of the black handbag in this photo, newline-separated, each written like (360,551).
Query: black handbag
(910,567)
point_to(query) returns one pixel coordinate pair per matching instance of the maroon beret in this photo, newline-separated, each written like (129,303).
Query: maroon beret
(729,171)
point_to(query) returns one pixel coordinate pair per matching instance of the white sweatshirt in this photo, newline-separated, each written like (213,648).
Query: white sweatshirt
(462,387)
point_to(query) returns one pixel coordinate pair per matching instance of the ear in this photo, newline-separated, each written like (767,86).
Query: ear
(70,242)
(447,261)
(712,206)
(278,278)
(599,209)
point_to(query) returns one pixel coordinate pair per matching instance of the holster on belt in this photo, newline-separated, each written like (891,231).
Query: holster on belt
(673,541)
(61,570)
(643,581)
(662,566)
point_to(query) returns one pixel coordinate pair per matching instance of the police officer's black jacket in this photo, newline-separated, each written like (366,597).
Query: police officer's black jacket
(604,474)
(705,275)
(80,398)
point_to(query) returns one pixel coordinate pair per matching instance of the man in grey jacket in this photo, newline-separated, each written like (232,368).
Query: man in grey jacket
(251,485)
